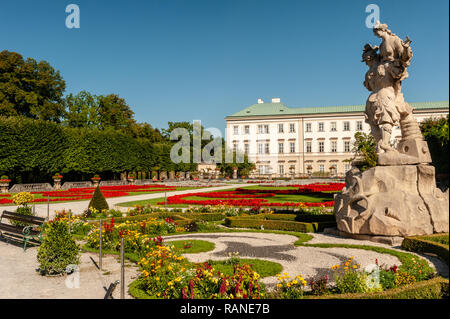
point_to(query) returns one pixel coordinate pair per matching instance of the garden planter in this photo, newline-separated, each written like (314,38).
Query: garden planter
(95,181)
(4,186)
(57,183)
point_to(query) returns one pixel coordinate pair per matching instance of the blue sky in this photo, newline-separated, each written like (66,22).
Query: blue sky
(176,60)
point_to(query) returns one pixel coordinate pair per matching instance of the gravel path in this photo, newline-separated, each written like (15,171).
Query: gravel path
(79,207)
(19,279)
(296,260)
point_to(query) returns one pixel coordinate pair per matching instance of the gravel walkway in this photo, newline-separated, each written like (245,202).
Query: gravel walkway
(296,260)
(19,279)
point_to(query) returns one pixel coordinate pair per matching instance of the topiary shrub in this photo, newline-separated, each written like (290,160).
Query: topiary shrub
(98,201)
(22,200)
(58,249)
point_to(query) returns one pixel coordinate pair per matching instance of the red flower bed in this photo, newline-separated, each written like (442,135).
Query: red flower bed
(255,197)
(86,193)
(5,201)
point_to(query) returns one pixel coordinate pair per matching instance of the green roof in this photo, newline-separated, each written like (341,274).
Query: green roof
(271,109)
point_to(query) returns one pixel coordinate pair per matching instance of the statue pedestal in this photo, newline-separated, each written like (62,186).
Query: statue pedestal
(398,200)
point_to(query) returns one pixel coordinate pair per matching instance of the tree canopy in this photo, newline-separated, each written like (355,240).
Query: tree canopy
(30,88)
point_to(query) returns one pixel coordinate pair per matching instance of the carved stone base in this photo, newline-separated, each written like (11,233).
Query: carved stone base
(392,201)
(409,152)
(387,240)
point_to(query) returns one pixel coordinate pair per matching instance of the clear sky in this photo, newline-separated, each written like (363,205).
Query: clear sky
(176,60)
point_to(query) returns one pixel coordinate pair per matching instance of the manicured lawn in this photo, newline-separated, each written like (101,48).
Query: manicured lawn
(191,246)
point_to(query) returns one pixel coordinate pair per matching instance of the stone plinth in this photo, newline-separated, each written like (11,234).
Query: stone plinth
(392,201)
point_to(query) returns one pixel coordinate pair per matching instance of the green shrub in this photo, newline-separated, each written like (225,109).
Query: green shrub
(192,226)
(436,288)
(249,222)
(58,249)
(98,201)
(421,245)
(351,282)
(387,279)
(22,210)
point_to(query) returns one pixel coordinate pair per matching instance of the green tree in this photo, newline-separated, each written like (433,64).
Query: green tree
(30,88)
(436,133)
(58,249)
(365,151)
(98,201)
(114,112)
(81,110)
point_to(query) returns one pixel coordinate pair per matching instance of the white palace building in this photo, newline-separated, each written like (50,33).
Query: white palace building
(283,141)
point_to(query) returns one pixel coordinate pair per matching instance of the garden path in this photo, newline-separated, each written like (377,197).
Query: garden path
(79,207)
(296,260)
(19,279)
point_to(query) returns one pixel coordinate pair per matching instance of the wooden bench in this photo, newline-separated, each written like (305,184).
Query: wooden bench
(27,232)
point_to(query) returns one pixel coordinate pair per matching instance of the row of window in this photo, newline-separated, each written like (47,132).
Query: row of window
(264,128)
(282,169)
(333,147)
(333,126)
(264,148)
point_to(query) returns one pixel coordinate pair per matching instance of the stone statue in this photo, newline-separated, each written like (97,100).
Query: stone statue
(399,196)
(386,107)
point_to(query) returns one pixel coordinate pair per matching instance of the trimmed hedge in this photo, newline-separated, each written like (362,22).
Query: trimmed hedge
(305,218)
(277,224)
(420,245)
(436,288)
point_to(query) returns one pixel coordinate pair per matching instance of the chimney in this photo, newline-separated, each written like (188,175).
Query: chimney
(260,101)
(276,100)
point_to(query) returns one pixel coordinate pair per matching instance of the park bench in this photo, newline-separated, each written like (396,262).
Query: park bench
(32,231)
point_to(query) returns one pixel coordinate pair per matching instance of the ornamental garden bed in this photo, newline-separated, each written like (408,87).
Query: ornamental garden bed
(167,274)
(292,196)
(85,193)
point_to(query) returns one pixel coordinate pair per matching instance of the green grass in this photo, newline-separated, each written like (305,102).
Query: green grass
(197,246)
(264,268)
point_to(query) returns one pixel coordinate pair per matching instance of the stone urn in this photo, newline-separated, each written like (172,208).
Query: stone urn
(235,172)
(4,184)
(131,179)
(95,180)
(57,181)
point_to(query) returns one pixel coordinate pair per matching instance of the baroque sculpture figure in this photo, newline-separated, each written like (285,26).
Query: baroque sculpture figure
(399,196)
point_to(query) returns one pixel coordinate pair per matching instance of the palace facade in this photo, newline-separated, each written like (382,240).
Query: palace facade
(284,141)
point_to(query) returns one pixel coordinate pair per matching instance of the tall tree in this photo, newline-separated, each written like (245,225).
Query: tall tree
(82,110)
(29,88)
(114,112)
